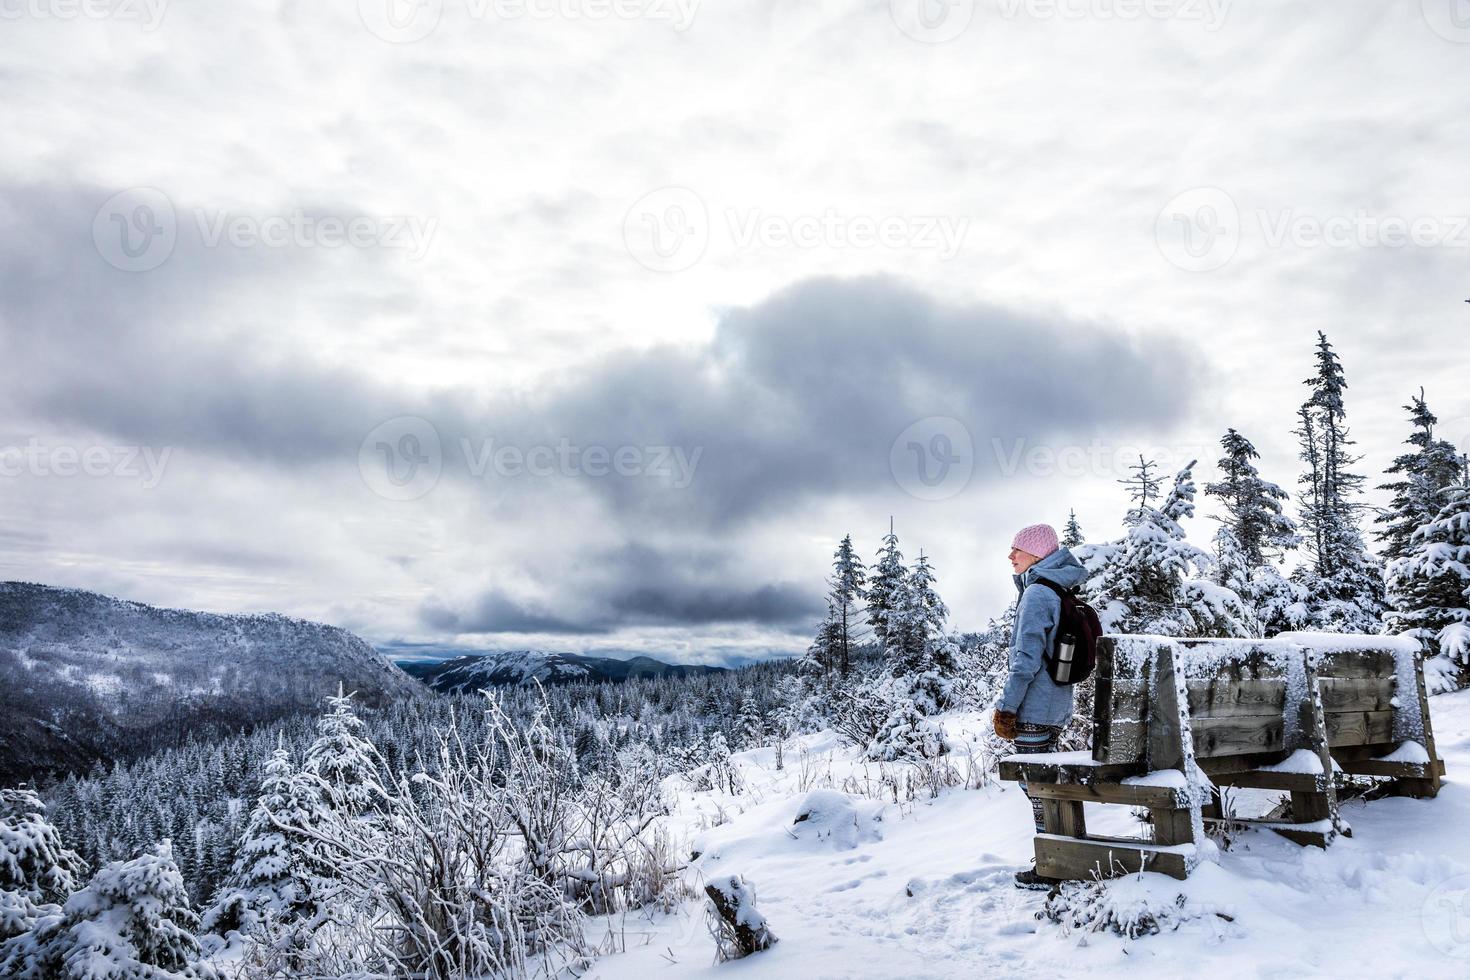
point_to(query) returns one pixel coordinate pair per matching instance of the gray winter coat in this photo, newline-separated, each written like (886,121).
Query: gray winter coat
(1030,692)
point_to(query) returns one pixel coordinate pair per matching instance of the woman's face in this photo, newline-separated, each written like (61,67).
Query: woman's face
(1021,560)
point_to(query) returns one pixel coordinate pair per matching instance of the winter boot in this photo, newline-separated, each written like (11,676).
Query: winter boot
(1032,881)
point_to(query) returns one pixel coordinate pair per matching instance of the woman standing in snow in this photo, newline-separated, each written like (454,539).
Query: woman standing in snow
(1033,709)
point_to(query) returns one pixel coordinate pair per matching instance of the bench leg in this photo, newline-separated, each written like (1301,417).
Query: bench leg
(1172,826)
(1213,808)
(1063,817)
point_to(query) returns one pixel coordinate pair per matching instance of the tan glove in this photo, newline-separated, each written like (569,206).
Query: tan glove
(1005,725)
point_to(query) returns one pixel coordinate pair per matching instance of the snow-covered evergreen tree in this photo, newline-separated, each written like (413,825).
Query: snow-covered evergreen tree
(1430,591)
(749,723)
(1344,581)
(37,872)
(344,759)
(822,655)
(1253,506)
(848,579)
(1280,604)
(1072,535)
(1425,476)
(888,578)
(131,922)
(1155,581)
(274,878)
(915,620)
(921,663)
(1232,571)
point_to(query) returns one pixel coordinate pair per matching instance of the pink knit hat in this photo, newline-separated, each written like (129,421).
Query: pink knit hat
(1038,539)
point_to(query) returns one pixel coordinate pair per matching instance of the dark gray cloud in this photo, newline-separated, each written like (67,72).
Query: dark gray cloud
(188,354)
(804,393)
(636,585)
(495,612)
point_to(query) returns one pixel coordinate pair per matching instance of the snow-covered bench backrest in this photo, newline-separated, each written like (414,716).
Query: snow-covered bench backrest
(1252,697)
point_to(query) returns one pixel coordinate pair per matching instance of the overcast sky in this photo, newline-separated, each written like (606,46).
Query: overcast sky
(595,325)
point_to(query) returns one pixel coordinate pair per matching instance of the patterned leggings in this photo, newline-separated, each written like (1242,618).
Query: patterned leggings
(1031,739)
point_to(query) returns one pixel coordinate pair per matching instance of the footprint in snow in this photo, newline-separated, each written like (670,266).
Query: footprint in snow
(849,885)
(1016,929)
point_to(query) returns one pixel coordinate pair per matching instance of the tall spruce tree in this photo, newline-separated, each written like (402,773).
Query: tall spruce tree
(273,877)
(889,575)
(1425,475)
(1344,580)
(1253,506)
(848,579)
(344,759)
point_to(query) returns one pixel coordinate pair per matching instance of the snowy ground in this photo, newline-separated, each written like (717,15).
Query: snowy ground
(924,889)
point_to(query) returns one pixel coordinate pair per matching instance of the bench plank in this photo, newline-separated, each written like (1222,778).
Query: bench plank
(1069,858)
(1238,736)
(1120,793)
(1359,728)
(1341,694)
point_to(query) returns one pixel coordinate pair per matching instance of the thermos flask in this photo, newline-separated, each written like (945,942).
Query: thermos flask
(1066,649)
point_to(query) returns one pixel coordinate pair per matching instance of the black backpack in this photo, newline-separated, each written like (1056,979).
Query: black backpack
(1074,654)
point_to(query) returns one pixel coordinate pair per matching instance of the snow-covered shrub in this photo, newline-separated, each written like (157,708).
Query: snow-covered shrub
(131,922)
(719,772)
(861,708)
(1136,905)
(908,736)
(465,871)
(653,873)
(844,821)
(612,823)
(983,662)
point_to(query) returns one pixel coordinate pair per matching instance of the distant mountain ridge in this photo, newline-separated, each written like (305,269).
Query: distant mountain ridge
(467,674)
(85,676)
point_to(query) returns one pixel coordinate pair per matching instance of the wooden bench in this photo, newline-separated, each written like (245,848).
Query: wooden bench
(1176,720)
